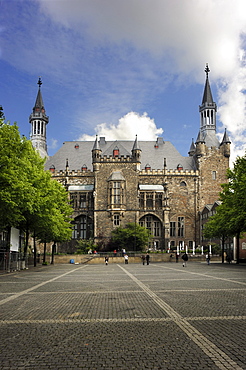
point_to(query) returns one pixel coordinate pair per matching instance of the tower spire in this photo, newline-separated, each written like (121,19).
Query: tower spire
(207,109)
(38,121)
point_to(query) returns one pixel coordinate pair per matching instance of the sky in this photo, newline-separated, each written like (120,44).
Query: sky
(120,68)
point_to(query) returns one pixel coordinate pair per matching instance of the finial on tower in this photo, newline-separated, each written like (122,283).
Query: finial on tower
(39,83)
(207,70)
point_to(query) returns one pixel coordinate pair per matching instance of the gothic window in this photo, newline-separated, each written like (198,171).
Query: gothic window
(172,228)
(38,128)
(34,128)
(82,227)
(180,226)
(153,224)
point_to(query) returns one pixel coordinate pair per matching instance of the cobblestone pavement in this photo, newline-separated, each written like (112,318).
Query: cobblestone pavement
(161,316)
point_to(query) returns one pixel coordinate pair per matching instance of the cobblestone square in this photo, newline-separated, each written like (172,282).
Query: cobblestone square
(161,316)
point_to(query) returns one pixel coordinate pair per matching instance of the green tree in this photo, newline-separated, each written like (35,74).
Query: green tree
(230,219)
(29,198)
(132,237)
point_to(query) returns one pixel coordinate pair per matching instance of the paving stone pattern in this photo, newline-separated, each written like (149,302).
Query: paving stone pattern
(161,316)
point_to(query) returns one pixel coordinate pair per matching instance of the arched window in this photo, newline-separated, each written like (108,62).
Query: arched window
(82,227)
(183,183)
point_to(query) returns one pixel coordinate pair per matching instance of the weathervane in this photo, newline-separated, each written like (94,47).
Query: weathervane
(39,82)
(207,70)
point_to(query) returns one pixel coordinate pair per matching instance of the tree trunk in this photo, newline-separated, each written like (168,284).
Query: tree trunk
(237,247)
(34,250)
(44,256)
(223,249)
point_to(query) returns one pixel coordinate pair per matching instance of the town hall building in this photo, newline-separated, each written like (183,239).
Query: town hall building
(112,183)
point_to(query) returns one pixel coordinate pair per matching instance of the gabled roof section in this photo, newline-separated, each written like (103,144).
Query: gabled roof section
(120,146)
(77,156)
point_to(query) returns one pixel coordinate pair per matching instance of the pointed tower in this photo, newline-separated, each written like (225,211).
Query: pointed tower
(225,145)
(136,153)
(38,121)
(96,154)
(208,111)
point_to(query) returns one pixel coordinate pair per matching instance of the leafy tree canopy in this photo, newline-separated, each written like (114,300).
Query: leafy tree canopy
(132,237)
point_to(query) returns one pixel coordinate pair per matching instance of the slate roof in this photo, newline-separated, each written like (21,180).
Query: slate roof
(152,152)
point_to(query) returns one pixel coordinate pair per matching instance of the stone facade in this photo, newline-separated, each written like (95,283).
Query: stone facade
(112,183)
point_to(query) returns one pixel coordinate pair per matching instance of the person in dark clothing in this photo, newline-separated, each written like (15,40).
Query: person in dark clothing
(147,258)
(185,259)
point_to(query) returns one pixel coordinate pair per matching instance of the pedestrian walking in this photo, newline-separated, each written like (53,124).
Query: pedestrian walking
(177,257)
(126,259)
(185,259)
(147,258)
(106,260)
(115,252)
(208,258)
(143,259)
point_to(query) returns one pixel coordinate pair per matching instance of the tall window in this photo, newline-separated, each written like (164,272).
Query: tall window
(82,201)
(158,200)
(172,228)
(149,200)
(116,192)
(181,226)
(141,200)
(157,228)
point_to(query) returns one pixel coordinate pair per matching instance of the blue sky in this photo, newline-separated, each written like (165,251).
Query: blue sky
(120,68)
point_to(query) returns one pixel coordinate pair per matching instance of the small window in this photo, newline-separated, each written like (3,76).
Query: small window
(52,168)
(213,175)
(116,152)
(183,183)
(116,219)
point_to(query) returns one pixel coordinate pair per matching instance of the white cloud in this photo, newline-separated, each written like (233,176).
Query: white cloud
(52,144)
(181,35)
(127,128)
